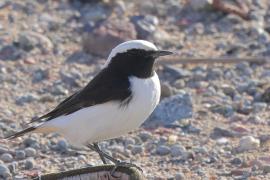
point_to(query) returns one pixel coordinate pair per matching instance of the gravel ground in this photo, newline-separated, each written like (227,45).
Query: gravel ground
(213,121)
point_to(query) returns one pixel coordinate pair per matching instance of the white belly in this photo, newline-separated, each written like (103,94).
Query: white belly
(109,120)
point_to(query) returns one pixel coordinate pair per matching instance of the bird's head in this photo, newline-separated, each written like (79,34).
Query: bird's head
(135,57)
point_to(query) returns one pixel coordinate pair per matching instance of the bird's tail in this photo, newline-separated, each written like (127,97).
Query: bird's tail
(20,133)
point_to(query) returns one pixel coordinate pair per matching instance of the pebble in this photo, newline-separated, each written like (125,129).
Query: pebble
(6,157)
(27,98)
(177,150)
(266,168)
(4,171)
(20,154)
(180,176)
(145,25)
(167,113)
(248,143)
(136,149)
(145,136)
(29,164)
(30,152)
(62,146)
(162,150)
(236,161)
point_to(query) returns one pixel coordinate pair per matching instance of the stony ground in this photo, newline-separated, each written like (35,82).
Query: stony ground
(213,118)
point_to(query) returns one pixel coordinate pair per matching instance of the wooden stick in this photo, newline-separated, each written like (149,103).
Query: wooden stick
(175,60)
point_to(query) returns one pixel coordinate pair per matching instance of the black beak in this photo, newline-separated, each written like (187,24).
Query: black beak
(162,53)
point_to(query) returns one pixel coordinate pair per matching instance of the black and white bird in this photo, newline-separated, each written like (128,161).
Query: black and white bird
(116,101)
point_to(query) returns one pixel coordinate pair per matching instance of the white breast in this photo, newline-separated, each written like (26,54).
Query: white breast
(109,120)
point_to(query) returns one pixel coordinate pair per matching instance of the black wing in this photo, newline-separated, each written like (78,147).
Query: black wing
(106,86)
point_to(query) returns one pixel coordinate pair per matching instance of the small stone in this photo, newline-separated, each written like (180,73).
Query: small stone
(112,31)
(27,98)
(29,164)
(40,75)
(200,4)
(62,146)
(248,143)
(3,149)
(30,152)
(266,168)
(176,73)
(145,25)
(177,150)
(129,141)
(20,154)
(236,161)
(145,136)
(29,141)
(4,171)
(180,176)
(172,139)
(170,110)
(6,157)
(163,150)
(221,132)
(136,149)
(228,90)
(166,90)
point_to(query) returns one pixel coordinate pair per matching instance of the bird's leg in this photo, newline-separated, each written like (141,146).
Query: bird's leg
(117,162)
(96,148)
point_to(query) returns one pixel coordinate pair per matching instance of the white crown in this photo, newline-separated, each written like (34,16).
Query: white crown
(133,44)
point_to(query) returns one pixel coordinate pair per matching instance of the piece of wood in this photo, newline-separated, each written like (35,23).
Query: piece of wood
(174,60)
(95,173)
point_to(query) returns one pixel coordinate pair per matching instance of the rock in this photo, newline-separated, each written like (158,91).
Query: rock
(29,40)
(30,141)
(26,98)
(145,136)
(221,132)
(129,141)
(236,161)
(224,109)
(71,77)
(29,164)
(176,73)
(3,149)
(162,150)
(111,31)
(180,176)
(62,146)
(166,90)
(259,107)
(40,75)
(20,154)
(30,152)
(228,90)
(266,95)
(11,53)
(171,109)
(248,143)
(200,4)
(145,25)
(177,150)
(266,169)
(6,157)
(80,57)
(136,149)
(4,171)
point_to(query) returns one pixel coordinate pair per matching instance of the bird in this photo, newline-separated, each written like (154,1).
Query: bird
(116,101)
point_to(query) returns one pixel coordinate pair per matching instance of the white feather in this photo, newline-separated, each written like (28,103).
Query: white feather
(108,120)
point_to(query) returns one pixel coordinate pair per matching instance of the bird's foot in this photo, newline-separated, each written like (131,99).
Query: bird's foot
(123,164)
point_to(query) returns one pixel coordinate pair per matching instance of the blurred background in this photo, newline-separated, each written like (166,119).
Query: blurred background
(213,121)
